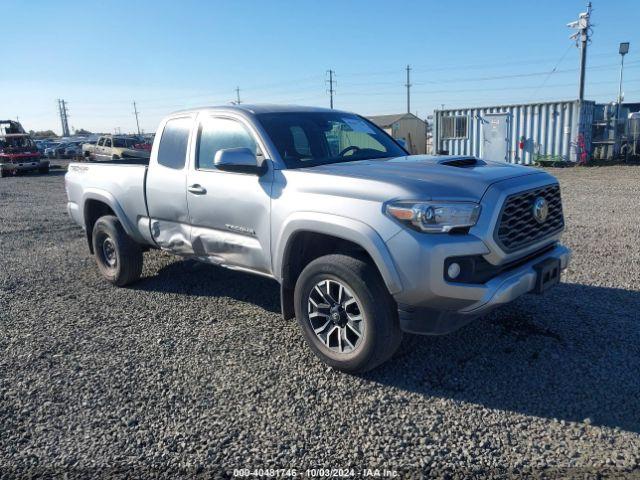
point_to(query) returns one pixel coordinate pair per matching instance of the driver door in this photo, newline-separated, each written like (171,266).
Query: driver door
(229,211)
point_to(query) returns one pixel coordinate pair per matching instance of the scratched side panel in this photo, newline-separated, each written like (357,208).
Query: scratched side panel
(227,248)
(172,236)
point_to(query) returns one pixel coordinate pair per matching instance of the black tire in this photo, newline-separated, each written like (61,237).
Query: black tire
(381,334)
(43,169)
(118,256)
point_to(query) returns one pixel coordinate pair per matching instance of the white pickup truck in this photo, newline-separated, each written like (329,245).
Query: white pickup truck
(366,241)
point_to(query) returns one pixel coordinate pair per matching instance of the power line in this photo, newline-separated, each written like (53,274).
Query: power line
(553,70)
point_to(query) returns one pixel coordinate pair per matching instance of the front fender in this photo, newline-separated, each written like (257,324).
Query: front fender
(342,227)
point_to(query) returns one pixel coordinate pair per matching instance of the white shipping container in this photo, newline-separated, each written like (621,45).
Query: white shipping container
(524,133)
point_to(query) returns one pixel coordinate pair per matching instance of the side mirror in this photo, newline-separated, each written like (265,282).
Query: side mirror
(240,160)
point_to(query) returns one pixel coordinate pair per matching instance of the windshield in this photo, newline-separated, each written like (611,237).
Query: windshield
(125,142)
(9,143)
(305,139)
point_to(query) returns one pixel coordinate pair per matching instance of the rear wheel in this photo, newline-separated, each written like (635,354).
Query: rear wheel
(43,169)
(346,313)
(118,256)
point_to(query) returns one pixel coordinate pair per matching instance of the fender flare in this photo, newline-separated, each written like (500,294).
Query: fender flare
(108,199)
(341,227)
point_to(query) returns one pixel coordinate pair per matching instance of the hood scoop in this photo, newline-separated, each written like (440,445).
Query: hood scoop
(463,162)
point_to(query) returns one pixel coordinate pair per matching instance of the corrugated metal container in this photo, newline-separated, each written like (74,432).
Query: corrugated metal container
(551,131)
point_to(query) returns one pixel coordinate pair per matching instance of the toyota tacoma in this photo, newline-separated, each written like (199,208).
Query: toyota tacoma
(366,241)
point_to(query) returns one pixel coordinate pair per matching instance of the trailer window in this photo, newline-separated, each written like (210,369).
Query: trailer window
(454,127)
(172,151)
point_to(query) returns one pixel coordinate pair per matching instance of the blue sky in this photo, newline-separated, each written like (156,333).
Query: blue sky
(167,55)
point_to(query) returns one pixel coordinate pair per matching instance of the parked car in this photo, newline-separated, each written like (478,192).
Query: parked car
(114,147)
(56,150)
(73,150)
(40,145)
(366,241)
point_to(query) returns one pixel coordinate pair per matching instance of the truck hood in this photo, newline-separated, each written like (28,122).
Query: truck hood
(425,176)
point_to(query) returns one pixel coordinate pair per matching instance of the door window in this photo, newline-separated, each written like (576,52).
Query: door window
(172,151)
(107,142)
(218,134)
(101,142)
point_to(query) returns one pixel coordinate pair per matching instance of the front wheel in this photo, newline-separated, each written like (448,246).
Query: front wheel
(346,313)
(118,256)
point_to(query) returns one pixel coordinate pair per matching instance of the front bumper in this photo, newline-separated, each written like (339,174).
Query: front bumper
(429,303)
(501,289)
(23,165)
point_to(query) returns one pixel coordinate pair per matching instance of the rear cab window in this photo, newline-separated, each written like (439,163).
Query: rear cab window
(172,151)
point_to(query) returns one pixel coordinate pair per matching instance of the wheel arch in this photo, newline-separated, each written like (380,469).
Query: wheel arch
(327,234)
(97,203)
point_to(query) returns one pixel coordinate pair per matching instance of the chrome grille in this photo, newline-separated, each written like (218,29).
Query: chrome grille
(517,227)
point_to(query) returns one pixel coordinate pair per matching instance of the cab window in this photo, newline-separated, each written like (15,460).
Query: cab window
(218,134)
(172,151)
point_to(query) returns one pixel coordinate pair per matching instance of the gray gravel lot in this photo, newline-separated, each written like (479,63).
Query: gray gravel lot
(193,370)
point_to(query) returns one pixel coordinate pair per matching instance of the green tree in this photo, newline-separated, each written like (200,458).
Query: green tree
(42,134)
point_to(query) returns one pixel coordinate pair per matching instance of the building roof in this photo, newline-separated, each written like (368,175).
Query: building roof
(384,121)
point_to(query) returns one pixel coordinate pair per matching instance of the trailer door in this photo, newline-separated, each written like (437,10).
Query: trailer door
(495,136)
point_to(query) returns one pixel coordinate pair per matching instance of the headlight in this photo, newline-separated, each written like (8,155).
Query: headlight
(434,217)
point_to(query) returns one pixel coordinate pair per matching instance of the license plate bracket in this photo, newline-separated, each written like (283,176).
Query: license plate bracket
(547,274)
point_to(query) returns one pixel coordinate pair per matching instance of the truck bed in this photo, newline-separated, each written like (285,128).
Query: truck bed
(119,185)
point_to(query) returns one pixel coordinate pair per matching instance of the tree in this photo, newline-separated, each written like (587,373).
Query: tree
(42,134)
(82,131)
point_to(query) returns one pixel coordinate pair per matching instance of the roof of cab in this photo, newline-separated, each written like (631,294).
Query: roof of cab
(254,109)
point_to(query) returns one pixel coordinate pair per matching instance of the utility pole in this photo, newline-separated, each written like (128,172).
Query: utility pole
(331,89)
(64,117)
(408,85)
(135,112)
(583,27)
(238,102)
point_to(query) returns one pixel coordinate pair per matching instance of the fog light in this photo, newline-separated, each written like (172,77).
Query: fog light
(453,271)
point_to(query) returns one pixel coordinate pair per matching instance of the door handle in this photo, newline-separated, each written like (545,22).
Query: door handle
(196,189)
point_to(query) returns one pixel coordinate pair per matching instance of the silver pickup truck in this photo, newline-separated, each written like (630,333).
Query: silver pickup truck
(366,241)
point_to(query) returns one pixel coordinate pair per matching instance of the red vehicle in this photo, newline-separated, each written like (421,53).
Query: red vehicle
(18,152)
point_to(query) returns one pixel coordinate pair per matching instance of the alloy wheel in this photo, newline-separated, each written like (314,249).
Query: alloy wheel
(335,316)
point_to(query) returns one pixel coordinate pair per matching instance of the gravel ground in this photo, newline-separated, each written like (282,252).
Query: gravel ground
(193,371)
